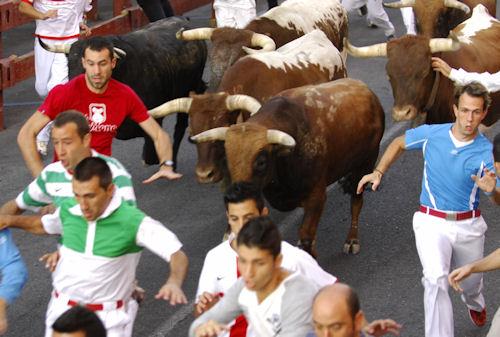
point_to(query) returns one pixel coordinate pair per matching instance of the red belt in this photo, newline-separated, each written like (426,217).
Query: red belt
(91,306)
(451,216)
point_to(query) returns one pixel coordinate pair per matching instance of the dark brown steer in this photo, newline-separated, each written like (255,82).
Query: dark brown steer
(304,140)
(282,24)
(311,59)
(435,18)
(420,93)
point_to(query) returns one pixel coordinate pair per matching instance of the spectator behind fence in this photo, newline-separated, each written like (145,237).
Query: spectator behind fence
(78,322)
(274,301)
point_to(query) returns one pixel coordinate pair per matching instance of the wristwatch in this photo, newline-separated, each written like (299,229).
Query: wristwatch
(167,163)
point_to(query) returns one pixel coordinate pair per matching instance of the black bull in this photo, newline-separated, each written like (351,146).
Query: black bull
(158,67)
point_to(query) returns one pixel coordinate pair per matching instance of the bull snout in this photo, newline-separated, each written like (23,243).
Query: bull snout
(207,175)
(404,113)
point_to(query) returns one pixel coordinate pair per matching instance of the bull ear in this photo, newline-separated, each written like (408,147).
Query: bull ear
(176,105)
(280,137)
(211,135)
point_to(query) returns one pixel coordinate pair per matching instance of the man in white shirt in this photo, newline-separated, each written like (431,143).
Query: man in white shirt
(275,301)
(243,202)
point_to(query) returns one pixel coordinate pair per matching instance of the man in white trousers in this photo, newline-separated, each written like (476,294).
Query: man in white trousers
(449,229)
(376,14)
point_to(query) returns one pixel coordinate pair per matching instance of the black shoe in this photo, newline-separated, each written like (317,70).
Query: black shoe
(390,37)
(362,10)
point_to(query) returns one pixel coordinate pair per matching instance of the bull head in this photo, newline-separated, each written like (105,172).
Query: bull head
(409,70)
(247,147)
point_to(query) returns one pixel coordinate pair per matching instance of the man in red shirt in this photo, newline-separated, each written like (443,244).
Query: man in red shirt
(105,102)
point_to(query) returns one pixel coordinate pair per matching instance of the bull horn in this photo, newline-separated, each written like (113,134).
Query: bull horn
(56,48)
(211,135)
(176,105)
(119,53)
(194,34)
(280,137)
(242,102)
(400,4)
(376,50)
(458,5)
(441,45)
(263,41)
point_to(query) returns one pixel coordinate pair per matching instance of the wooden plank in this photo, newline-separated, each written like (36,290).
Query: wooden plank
(182,6)
(16,69)
(10,16)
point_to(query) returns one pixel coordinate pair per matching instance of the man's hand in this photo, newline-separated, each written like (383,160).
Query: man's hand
(375,178)
(441,66)
(50,260)
(206,301)
(381,327)
(50,14)
(3,316)
(49,209)
(172,293)
(166,172)
(458,275)
(4,221)
(210,329)
(487,182)
(85,30)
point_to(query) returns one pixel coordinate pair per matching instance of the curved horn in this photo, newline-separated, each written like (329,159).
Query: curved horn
(280,137)
(376,50)
(263,41)
(194,34)
(211,135)
(440,45)
(119,53)
(400,4)
(458,5)
(55,48)
(176,105)
(242,102)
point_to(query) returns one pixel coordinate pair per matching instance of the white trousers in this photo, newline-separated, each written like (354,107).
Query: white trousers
(443,245)
(409,20)
(118,322)
(495,325)
(376,13)
(233,17)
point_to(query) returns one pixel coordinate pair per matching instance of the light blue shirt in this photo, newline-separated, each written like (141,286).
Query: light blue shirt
(12,269)
(448,166)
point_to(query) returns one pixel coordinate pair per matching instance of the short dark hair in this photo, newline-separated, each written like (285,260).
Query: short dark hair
(98,43)
(93,167)
(261,233)
(474,89)
(353,302)
(73,116)
(80,319)
(496,148)
(243,191)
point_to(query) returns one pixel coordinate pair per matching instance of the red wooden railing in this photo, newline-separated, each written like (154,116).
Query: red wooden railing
(14,69)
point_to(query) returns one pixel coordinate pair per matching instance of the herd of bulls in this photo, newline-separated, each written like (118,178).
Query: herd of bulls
(279,109)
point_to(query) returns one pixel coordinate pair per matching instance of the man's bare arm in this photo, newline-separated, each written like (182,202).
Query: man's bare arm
(30,11)
(172,289)
(26,139)
(29,223)
(10,208)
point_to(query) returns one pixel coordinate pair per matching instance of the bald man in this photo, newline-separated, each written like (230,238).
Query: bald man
(337,313)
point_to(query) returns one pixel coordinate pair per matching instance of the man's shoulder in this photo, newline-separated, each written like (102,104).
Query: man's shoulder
(222,251)
(55,168)
(114,164)
(296,282)
(119,86)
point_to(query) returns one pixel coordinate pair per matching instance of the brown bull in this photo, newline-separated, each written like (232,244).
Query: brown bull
(435,18)
(303,140)
(419,92)
(282,24)
(311,59)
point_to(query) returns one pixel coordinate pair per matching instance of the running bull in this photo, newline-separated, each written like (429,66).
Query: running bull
(251,81)
(303,140)
(157,66)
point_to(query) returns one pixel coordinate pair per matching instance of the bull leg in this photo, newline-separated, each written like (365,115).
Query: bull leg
(180,129)
(313,208)
(351,245)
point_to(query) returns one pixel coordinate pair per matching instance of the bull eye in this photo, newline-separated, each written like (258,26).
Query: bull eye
(260,163)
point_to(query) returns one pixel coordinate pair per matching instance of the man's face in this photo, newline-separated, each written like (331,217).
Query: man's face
(79,333)
(469,114)
(69,146)
(98,67)
(333,319)
(258,267)
(92,198)
(239,214)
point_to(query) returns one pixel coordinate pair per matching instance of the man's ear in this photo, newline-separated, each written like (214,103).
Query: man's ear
(265,211)
(359,321)
(278,261)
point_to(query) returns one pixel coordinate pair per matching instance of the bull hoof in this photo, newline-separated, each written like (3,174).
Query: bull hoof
(309,246)
(352,247)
